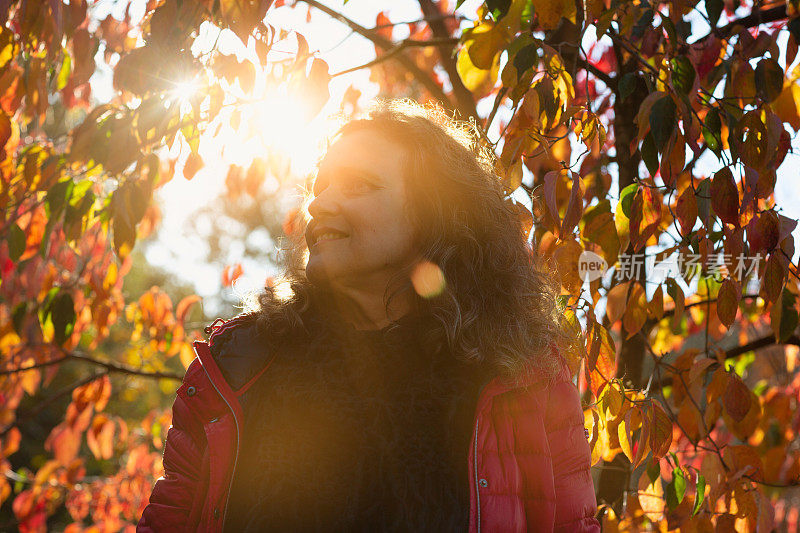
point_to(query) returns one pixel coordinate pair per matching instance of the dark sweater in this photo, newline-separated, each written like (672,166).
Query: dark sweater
(364,431)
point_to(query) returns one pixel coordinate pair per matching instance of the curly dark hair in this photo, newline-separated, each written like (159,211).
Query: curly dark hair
(499,303)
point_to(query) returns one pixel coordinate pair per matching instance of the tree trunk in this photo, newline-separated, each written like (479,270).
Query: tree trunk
(615,475)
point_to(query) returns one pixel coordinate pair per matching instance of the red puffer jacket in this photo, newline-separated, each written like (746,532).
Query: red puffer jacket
(528,461)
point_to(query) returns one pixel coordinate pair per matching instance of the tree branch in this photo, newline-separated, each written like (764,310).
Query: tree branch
(423,77)
(610,82)
(756,18)
(408,43)
(108,365)
(757,344)
(464,97)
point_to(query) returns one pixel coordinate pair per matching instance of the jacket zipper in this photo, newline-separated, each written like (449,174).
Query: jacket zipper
(236,455)
(477,485)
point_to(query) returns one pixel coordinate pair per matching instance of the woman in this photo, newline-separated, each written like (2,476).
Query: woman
(410,381)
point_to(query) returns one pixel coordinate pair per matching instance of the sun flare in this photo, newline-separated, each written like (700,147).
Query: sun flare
(274,126)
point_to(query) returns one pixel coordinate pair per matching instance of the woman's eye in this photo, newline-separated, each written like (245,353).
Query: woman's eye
(357,185)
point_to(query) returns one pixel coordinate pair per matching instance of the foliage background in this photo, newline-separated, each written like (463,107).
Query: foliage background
(151,153)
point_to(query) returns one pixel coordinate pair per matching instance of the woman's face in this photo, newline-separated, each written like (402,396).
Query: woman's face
(359,234)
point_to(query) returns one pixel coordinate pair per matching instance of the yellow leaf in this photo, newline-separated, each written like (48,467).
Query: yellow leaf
(476,79)
(483,43)
(551,11)
(787,105)
(651,497)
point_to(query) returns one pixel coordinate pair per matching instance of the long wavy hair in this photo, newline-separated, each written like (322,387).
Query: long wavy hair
(499,302)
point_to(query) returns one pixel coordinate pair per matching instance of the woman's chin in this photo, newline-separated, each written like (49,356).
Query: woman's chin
(318,271)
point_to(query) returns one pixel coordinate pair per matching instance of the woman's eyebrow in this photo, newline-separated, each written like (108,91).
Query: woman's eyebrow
(349,169)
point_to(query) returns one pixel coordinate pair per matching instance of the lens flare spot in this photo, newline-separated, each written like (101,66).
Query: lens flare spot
(428,279)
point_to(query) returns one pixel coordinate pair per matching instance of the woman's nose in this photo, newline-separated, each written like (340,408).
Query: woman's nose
(324,204)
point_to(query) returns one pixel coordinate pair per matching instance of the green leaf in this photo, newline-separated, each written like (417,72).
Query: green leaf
(526,58)
(794,28)
(498,8)
(675,489)
(669,27)
(650,154)
(627,84)
(662,121)
(80,203)
(701,493)
(644,22)
(703,196)
(57,197)
(63,316)
(714,10)
(626,197)
(18,316)
(769,79)
(64,72)
(712,131)
(683,74)
(783,316)
(16,242)
(653,471)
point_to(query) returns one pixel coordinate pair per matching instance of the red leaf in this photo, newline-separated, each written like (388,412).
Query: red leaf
(30,510)
(725,197)
(686,210)
(774,275)
(763,231)
(645,216)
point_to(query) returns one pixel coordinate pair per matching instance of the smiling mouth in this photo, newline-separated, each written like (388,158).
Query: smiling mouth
(329,236)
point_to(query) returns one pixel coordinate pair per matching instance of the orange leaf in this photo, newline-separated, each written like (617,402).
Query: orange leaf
(728,301)
(601,357)
(231,274)
(616,302)
(743,460)
(100,437)
(651,497)
(686,210)
(636,310)
(574,210)
(661,432)
(96,392)
(673,159)
(643,444)
(193,164)
(736,398)
(184,306)
(774,275)
(64,442)
(645,216)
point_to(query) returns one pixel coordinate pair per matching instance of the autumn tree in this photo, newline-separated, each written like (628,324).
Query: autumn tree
(642,141)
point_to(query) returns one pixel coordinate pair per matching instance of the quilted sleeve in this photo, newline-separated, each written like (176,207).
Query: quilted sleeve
(177,493)
(575,501)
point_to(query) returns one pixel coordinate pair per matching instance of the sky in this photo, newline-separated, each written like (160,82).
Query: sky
(181,252)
